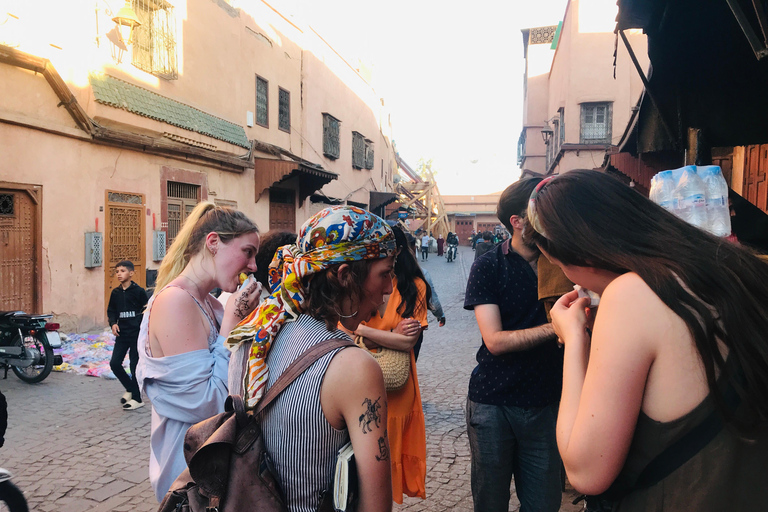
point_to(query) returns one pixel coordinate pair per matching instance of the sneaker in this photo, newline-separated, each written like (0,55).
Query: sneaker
(132,404)
(126,396)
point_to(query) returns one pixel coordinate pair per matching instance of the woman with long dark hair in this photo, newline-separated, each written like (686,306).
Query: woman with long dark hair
(398,328)
(665,405)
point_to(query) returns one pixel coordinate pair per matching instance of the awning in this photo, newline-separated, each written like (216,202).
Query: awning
(704,73)
(379,199)
(270,172)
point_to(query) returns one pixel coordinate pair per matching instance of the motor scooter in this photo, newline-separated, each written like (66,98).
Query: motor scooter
(451,253)
(26,345)
(10,494)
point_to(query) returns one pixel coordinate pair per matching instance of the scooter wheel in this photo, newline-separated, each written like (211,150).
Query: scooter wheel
(38,372)
(13,497)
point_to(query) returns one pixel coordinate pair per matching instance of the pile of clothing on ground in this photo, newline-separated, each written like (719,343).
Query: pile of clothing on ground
(87,354)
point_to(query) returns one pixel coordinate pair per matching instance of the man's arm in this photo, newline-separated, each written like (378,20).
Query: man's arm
(501,342)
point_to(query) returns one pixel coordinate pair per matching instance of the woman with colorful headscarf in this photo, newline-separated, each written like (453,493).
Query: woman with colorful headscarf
(338,272)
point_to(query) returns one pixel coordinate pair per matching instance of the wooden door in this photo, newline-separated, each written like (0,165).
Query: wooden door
(19,239)
(282,209)
(464,230)
(755,188)
(124,238)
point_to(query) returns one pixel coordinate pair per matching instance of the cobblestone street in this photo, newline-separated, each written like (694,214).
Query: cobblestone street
(71,447)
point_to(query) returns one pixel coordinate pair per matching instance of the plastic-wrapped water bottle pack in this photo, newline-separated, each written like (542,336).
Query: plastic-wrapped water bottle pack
(698,195)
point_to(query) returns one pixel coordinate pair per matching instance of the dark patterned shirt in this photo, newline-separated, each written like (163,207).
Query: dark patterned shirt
(528,378)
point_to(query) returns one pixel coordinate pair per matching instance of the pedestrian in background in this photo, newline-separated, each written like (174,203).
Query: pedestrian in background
(485,245)
(124,312)
(515,388)
(440,244)
(321,285)
(182,358)
(425,246)
(434,303)
(665,398)
(398,328)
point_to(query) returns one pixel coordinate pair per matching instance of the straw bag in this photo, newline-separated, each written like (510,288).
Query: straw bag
(395,364)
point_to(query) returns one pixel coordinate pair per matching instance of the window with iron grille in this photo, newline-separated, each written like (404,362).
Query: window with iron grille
(154,41)
(358,150)
(368,154)
(331,144)
(262,102)
(182,199)
(284,110)
(595,123)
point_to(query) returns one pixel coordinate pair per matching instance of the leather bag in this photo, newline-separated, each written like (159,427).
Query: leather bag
(395,364)
(228,468)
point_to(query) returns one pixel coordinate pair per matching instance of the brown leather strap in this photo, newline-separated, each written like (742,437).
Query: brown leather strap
(297,367)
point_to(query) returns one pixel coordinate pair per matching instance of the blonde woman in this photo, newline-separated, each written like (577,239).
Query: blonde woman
(182,360)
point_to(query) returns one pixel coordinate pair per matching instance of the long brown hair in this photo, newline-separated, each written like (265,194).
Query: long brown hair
(720,290)
(205,218)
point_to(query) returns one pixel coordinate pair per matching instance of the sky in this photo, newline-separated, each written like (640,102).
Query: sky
(451,73)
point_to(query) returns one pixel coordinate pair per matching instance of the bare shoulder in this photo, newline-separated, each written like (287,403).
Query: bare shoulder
(629,305)
(630,290)
(353,366)
(176,300)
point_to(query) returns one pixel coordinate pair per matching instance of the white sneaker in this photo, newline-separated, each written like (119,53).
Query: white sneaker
(126,396)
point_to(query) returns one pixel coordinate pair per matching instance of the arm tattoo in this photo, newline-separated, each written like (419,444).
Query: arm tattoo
(371,415)
(383,449)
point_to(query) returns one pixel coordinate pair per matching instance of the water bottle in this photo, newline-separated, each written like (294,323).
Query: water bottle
(716,191)
(665,191)
(691,198)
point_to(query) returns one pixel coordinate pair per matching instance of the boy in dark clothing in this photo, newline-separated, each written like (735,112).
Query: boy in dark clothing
(124,312)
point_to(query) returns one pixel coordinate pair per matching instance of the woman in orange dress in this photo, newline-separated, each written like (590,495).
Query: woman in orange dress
(399,328)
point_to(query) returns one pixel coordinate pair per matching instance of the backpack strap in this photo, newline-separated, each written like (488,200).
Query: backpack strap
(296,368)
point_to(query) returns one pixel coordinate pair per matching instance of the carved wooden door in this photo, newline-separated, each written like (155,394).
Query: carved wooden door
(18,250)
(124,238)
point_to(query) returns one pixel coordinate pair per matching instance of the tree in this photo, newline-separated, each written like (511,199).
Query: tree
(424,169)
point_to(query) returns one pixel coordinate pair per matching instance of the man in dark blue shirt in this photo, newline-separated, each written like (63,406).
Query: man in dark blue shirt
(515,388)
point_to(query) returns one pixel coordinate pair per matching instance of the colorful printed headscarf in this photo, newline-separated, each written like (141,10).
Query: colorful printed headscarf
(335,235)
(533,217)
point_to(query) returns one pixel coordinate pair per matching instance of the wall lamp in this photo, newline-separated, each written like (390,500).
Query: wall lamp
(546,133)
(126,21)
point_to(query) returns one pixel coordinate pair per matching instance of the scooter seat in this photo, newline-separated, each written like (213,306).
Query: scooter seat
(4,314)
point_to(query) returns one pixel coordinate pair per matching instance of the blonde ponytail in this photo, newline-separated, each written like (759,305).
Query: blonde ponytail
(177,256)
(205,218)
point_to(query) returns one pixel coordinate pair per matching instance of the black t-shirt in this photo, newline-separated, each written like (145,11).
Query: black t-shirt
(529,378)
(126,309)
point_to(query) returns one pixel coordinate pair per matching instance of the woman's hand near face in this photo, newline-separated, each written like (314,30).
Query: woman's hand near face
(569,318)
(240,305)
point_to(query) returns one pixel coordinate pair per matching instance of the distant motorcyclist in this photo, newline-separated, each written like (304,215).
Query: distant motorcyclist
(453,241)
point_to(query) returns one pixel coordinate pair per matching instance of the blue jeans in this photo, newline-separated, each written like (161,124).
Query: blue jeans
(519,441)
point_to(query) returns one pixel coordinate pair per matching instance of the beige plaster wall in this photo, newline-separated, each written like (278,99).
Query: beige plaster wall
(331,86)
(74,176)
(219,53)
(582,68)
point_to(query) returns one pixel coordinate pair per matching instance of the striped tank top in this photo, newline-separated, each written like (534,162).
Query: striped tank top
(301,443)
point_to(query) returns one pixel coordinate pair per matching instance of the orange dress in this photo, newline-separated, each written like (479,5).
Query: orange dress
(405,416)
